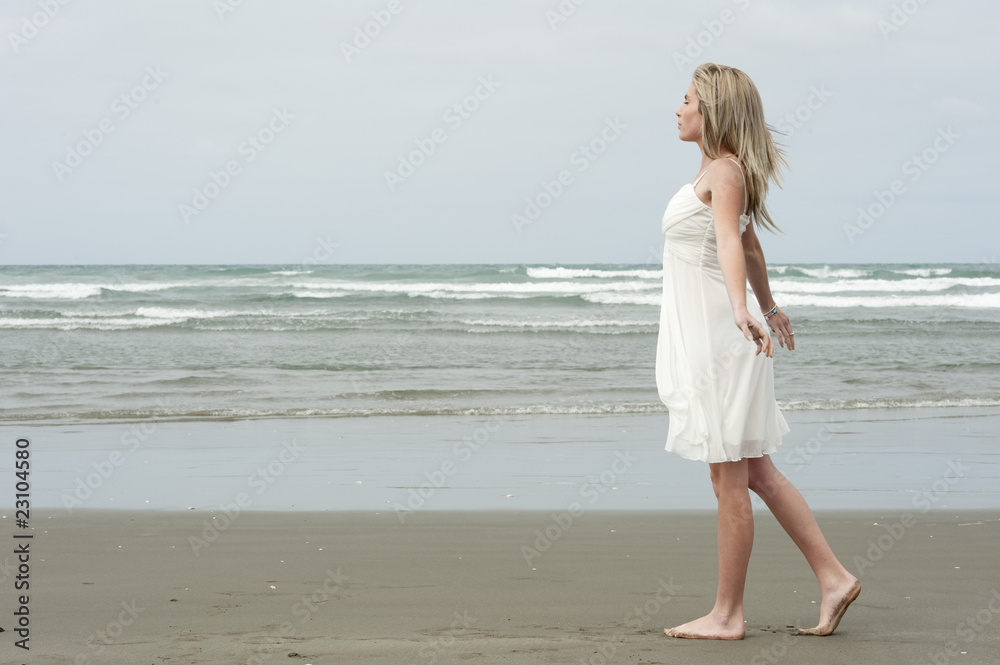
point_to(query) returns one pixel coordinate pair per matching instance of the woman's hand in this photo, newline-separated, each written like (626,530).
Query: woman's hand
(780,324)
(755,331)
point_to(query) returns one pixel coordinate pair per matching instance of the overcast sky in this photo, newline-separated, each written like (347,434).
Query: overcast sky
(514,131)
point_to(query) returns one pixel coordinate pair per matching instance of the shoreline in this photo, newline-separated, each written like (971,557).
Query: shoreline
(918,459)
(964,406)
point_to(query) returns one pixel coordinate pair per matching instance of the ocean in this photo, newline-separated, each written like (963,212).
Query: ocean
(91,344)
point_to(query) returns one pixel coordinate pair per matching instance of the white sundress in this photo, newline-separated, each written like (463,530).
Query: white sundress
(719,394)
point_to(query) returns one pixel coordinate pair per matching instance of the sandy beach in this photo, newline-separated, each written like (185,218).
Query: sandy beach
(454,587)
(562,540)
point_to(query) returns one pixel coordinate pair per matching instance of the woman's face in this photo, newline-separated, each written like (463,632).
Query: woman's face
(689,117)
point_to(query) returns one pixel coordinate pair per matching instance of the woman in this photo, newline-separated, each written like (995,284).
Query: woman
(716,379)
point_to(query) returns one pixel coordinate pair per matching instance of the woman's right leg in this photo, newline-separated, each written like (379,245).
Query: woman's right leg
(839,588)
(735,541)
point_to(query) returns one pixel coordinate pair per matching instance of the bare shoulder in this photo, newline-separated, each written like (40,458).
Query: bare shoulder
(724,172)
(723,181)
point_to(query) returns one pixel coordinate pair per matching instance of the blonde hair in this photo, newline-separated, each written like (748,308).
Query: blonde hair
(732,118)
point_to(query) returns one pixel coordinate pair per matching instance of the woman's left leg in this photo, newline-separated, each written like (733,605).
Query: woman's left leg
(839,588)
(735,540)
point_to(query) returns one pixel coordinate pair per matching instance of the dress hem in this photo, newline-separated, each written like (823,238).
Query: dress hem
(761,452)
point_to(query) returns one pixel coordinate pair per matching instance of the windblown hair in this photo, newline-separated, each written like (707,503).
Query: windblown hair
(732,118)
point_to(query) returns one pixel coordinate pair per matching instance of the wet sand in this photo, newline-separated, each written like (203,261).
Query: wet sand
(485,586)
(890,459)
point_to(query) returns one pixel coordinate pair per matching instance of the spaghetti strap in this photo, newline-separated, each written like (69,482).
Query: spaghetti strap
(745,192)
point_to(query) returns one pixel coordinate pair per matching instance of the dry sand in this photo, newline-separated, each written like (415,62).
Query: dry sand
(456,587)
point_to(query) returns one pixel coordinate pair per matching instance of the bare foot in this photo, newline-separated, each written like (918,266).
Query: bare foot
(833,606)
(710,627)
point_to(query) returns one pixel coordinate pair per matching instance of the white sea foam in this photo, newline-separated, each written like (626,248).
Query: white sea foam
(414,293)
(465,295)
(971,300)
(572,323)
(76,291)
(902,285)
(50,291)
(837,404)
(147,287)
(924,272)
(421,291)
(624,408)
(486,290)
(143,317)
(794,299)
(173,313)
(97,313)
(827,272)
(599,408)
(624,298)
(569,273)
(84,323)
(320,294)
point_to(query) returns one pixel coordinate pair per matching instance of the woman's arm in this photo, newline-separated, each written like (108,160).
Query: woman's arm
(726,184)
(756,269)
